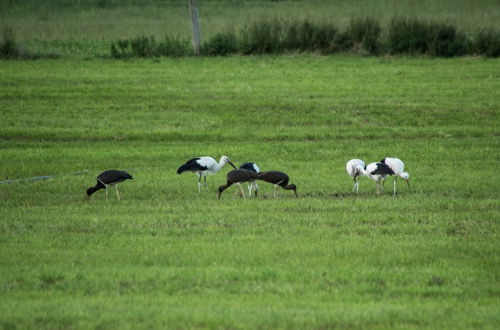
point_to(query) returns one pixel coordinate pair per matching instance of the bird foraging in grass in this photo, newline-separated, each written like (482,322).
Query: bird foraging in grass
(203,166)
(278,179)
(109,178)
(398,167)
(238,176)
(353,171)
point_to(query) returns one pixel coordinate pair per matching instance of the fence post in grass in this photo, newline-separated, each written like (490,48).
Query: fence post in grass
(193,9)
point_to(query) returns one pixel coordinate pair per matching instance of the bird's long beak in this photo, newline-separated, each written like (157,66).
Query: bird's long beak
(408,182)
(296,195)
(232,165)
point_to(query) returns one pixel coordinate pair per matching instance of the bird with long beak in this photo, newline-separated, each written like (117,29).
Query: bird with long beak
(352,169)
(398,167)
(109,178)
(278,179)
(238,176)
(203,166)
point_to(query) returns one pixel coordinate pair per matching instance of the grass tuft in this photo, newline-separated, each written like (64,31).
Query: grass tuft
(408,36)
(222,44)
(8,45)
(487,43)
(365,35)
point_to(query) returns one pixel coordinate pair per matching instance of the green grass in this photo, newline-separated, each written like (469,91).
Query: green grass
(86,28)
(165,256)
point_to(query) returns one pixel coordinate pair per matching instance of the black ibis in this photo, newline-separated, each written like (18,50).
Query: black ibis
(202,166)
(353,171)
(109,178)
(238,176)
(278,179)
(253,168)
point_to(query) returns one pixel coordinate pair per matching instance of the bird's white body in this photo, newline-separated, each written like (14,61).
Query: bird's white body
(203,166)
(213,167)
(398,167)
(354,172)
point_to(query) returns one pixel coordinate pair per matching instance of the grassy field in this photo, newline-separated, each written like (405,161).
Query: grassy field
(86,27)
(165,256)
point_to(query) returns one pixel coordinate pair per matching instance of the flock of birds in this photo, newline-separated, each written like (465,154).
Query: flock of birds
(378,172)
(250,173)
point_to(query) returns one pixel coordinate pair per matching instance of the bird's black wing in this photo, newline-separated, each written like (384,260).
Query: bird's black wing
(383,169)
(191,165)
(275,177)
(241,175)
(113,176)
(383,161)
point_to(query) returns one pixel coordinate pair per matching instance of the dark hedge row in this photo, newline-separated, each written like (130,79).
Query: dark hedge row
(362,36)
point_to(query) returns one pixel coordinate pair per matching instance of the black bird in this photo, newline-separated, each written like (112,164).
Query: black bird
(238,176)
(278,179)
(253,168)
(109,178)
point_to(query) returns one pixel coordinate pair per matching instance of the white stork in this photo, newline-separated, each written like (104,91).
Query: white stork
(202,166)
(398,167)
(351,169)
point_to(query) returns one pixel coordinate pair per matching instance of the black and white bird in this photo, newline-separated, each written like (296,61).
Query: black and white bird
(398,167)
(238,176)
(375,171)
(353,171)
(278,179)
(109,178)
(203,166)
(253,185)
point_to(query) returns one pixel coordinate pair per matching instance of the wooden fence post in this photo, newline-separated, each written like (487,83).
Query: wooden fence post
(193,9)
